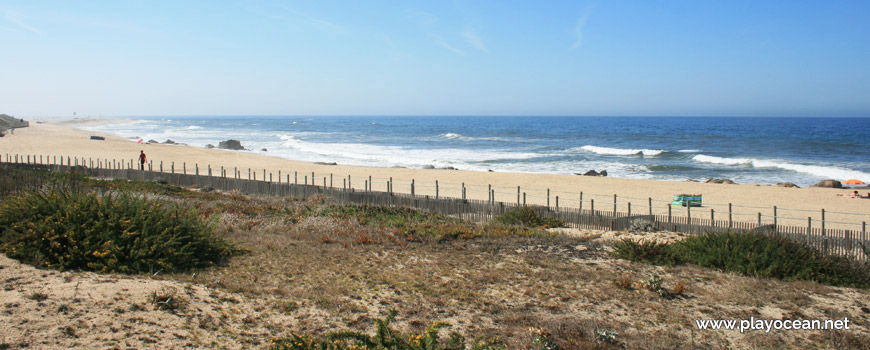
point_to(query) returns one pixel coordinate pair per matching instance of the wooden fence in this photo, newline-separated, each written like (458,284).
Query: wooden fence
(849,243)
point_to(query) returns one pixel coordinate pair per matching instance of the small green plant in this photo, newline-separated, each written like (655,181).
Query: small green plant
(528,216)
(543,340)
(38,296)
(385,338)
(168,299)
(607,336)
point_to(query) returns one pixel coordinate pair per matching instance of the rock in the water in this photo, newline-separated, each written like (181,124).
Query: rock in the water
(153,141)
(719,181)
(449,168)
(209,146)
(829,184)
(264,150)
(430,166)
(788,185)
(590,173)
(169,142)
(231,144)
(326,163)
(602,173)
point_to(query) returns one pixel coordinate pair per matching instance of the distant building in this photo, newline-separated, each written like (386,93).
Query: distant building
(8,122)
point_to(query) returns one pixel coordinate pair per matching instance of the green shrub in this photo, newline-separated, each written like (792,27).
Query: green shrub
(760,255)
(68,230)
(751,254)
(528,216)
(385,338)
(650,252)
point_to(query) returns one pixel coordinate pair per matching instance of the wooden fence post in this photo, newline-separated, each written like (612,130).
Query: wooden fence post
(412,188)
(524,199)
(650,206)
(809,228)
(730,223)
(823,221)
(173,167)
(436,189)
(548,199)
(629,209)
(712,218)
(669,213)
(557,204)
(581,203)
(774,217)
(592,206)
(614,205)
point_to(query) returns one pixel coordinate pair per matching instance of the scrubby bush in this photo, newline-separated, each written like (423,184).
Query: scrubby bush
(528,216)
(385,338)
(70,230)
(760,255)
(650,252)
(751,254)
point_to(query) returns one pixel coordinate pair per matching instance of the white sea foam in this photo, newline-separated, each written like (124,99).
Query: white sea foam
(451,135)
(830,172)
(194,127)
(367,154)
(621,151)
(689,151)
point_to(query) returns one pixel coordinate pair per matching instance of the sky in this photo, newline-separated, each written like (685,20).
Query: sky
(517,58)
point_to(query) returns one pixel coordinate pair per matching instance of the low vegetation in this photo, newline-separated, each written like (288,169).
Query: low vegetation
(528,216)
(385,338)
(751,254)
(318,274)
(76,230)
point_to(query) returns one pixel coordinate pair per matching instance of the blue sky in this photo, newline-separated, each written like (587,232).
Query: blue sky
(584,58)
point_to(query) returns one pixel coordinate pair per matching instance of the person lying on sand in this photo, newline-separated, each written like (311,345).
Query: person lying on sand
(853,195)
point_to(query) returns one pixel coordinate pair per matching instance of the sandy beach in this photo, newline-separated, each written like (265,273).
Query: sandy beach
(57,138)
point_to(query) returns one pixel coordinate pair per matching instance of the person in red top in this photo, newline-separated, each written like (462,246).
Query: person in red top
(141,160)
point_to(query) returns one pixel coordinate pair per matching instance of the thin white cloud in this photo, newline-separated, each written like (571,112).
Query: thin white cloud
(473,39)
(578,30)
(17,19)
(449,47)
(329,28)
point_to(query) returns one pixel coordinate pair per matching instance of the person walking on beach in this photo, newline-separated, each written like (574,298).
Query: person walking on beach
(141,160)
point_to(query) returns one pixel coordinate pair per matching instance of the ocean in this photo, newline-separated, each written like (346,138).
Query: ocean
(745,150)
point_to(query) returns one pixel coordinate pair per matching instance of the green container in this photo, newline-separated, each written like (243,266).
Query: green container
(691,200)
